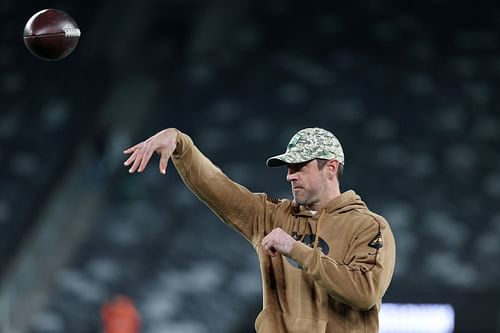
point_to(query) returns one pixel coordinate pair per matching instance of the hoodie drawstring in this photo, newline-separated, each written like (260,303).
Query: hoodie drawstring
(316,238)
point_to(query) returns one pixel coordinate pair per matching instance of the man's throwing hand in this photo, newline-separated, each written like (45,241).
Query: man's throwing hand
(278,241)
(163,143)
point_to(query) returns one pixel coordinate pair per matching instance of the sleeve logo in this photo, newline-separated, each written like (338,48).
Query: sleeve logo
(376,243)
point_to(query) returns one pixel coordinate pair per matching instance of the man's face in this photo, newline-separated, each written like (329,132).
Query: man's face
(308,183)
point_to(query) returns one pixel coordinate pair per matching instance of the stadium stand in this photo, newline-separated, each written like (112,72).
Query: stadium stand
(408,89)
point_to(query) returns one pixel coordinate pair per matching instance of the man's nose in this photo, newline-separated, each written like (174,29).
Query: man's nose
(291,175)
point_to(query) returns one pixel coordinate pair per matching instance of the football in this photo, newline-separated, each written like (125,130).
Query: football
(51,34)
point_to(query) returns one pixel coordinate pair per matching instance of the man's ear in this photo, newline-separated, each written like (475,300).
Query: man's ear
(333,166)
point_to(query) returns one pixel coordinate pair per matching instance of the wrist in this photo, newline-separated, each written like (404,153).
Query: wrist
(289,246)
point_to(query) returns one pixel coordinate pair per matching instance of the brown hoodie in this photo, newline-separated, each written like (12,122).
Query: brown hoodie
(330,283)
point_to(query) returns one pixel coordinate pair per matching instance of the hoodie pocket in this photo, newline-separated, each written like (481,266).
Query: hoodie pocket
(269,321)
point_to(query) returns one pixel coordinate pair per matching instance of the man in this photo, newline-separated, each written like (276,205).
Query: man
(326,260)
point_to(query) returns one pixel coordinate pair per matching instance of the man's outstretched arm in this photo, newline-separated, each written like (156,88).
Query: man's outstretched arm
(233,203)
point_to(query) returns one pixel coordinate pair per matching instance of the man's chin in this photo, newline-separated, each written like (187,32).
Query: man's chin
(299,201)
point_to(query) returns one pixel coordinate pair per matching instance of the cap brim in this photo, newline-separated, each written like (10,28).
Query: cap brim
(274,162)
(281,160)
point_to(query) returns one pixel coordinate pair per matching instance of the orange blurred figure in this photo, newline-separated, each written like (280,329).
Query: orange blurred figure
(120,316)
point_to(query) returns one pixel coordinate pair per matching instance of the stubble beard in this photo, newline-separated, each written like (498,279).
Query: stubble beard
(305,198)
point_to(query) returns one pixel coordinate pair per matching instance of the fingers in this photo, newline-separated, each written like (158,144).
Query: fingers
(165,156)
(131,158)
(132,149)
(141,154)
(271,250)
(278,242)
(163,162)
(137,162)
(163,142)
(268,244)
(145,159)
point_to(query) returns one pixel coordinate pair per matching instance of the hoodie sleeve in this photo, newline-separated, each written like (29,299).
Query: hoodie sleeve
(233,203)
(362,278)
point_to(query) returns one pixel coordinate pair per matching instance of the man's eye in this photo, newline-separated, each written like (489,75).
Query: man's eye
(297,166)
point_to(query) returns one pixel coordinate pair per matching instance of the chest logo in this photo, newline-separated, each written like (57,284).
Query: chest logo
(309,240)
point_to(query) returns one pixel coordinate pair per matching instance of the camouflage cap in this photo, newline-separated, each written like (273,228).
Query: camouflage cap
(309,144)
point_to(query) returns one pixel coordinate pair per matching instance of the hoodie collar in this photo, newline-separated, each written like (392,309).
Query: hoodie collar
(346,201)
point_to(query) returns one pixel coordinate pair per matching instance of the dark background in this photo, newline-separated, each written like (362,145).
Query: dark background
(410,89)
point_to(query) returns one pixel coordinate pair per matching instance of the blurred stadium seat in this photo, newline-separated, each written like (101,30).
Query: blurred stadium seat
(410,92)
